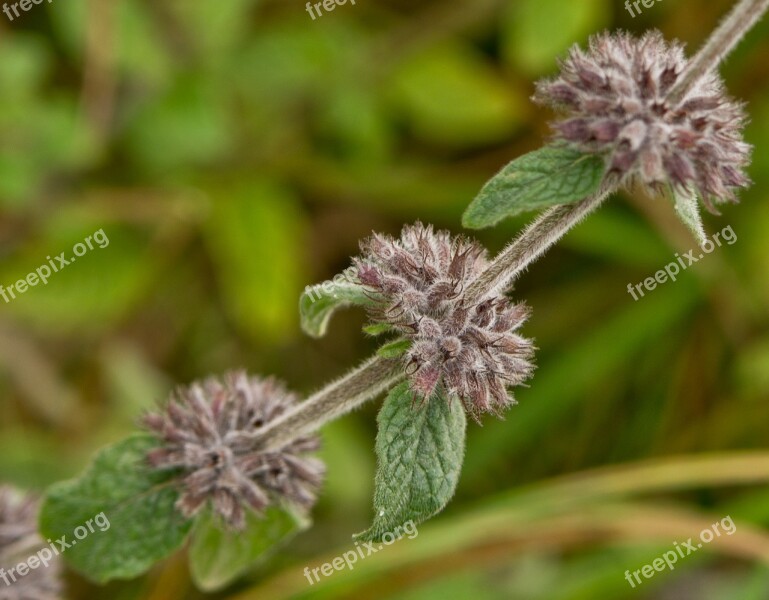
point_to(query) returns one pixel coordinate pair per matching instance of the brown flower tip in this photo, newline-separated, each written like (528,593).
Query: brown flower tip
(614,99)
(208,431)
(472,350)
(18,541)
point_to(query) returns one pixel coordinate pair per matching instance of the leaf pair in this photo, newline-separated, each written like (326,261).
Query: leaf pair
(138,524)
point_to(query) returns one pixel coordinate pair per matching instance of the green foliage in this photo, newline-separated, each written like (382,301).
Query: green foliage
(187,126)
(419,458)
(95,290)
(687,208)
(394,349)
(137,502)
(318,303)
(536,32)
(140,51)
(450,95)
(255,233)
(219,556)
(546,177)
(376,329)
(45,132)
(220,28)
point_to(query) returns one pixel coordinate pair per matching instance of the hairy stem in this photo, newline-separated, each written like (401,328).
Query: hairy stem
(532,243)
(372,378)
(722,41)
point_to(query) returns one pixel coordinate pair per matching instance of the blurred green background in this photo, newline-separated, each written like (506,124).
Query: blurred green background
(234,152)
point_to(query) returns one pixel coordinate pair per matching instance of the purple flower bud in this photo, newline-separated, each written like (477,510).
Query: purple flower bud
(614,99)
(472,351)
(18,541)
(207,432)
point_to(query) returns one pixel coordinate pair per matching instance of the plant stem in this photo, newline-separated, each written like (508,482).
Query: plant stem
(532,243)
(336,399)
(722,41)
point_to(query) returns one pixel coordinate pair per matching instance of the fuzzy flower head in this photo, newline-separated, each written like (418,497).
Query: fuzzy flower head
(207,432)
(18,541)
(471,350)
(614,97)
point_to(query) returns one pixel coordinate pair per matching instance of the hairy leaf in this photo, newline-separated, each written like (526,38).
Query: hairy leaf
(376,329)
(129,506)
(419,450)
(394,349)
(546,177)
(319,302)
(689,211)
(218,556)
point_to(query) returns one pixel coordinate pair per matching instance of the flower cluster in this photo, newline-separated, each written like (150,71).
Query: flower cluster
(471,350)
(18,540)
(208,433)
(615,97)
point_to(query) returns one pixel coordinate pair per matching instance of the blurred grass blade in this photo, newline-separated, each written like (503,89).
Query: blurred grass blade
(517,524)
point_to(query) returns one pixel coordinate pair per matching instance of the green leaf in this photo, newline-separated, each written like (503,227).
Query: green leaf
(449,94)
(130,508)
(91,293)
(318,302)
(689,211)
(218,557)
(394,349)
(187,126)
(254,233)
(546,177)
(532,38)
(420,450)
(378,329)
(216,29)
(139,50)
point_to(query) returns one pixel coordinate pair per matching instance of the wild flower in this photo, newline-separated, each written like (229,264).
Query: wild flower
(19,540)
(207,432)
(614,97)
(472,350)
